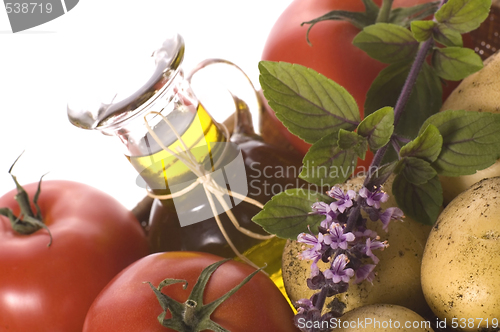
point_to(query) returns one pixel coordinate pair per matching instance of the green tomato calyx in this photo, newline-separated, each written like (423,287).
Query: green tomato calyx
(27,222)
(193,315)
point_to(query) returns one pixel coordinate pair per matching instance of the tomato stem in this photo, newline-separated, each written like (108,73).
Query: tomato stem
(189,315)
(385,12)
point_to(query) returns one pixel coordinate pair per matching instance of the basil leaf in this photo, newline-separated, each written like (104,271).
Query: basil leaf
(309,104)
(471,141)
(326,163)
(289,213)
(378,127)
(421,202)
(422,30)
(404,16)
(447,36)
(463,15)
(424,101)
(427,145)
(386,42)
(351,140)
(416,170)
(455,63)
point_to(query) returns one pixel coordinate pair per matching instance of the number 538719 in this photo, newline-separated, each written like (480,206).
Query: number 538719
(25,7)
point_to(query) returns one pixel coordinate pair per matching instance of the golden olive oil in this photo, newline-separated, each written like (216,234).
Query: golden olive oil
(199,133)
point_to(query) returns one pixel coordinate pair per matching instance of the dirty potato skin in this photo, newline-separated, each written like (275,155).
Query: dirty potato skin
(383,318)
(461,263)
(398,272)
(478,92)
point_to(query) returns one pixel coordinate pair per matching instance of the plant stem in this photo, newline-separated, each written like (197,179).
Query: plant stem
(320,302)
(403,98)
(411,79)
(353,217)
(385,11)
(377,160)
(395,145)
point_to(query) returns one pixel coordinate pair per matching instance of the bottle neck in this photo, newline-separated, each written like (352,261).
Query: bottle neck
(184,122)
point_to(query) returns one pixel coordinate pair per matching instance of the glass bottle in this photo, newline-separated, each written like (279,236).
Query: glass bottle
(163,126)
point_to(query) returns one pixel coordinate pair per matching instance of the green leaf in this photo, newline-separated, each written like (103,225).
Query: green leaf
(455,63)
(463,15)
(309,104)
(289,213)
(447,37)
(350,140)
(422,30)
(326,163)
(416,170)
(378,127)
(404,16)
(425,99)
(471,141)
(421,202)
(427,145)
(386,42)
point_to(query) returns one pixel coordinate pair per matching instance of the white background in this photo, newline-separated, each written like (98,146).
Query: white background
(41,67)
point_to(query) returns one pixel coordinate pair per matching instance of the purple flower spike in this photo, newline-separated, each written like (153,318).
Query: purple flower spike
(311,240)
(313,253)
(321,208)
(365,272)
(365,233)
(389,214)
(373,245)
(324,209)
(373,198)
(337,238)
(344,200)
(304,305)
(338,272)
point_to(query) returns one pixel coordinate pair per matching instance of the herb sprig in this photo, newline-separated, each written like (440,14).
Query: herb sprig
(402,126)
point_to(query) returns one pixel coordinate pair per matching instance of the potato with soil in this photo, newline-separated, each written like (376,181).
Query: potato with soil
(478,92)
(461,263)
(383,318)
(397,278)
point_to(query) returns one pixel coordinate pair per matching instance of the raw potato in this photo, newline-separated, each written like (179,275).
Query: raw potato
(478,92)
(398,272)
(384,318)
(461,264)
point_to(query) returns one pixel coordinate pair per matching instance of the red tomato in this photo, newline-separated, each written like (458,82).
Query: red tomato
(331,54)
(127,304)
(51,288)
